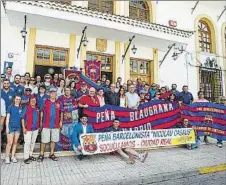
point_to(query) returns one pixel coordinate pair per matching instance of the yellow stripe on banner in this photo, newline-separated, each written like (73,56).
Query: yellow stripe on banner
(212,169)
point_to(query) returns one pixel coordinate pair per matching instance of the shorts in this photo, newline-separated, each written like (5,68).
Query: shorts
(49,134)
(13,130)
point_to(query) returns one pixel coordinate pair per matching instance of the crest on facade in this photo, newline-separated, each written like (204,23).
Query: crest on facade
(101,45)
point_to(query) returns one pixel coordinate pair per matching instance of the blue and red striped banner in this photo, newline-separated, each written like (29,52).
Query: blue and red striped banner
(156,114)
(207,119)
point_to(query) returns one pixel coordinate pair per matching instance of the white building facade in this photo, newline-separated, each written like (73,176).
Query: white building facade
(174,44)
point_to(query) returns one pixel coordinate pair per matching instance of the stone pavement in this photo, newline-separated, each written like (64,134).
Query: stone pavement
(161,165)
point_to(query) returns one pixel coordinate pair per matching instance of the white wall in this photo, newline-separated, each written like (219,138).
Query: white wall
(12,42)
(175,71)
(52,39)
(142,52)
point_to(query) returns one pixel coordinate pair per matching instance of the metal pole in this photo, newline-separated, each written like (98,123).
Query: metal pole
(166,54)
(192,10)
(221,13)
(130,41)
(83,33)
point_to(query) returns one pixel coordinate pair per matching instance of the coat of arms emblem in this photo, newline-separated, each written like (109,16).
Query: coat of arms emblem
(89,143)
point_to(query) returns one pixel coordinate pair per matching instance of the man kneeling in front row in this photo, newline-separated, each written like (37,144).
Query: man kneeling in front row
(81,128)
(127,153)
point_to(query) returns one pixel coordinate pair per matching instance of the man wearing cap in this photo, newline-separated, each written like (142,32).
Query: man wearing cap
(142,97)
(26,96)
(19,89)
(9,74)
(41,96)
(47,79)
(70,115)
(83,91)
(51,122)
(7,94)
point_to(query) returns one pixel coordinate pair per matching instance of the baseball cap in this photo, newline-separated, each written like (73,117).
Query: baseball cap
(28,89)
(53,89)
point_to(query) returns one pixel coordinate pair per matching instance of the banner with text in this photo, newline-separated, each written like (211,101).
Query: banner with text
(157,114)
(111,141)
(207,119)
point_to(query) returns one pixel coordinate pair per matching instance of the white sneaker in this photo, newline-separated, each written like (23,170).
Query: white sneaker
(13,159)
(143,156)
(7,160)
(220,145)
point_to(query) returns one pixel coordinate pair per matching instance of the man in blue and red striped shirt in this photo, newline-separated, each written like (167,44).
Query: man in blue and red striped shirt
(51,120)
(30,124)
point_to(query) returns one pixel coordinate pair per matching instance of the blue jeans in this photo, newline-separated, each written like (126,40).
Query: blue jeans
(218,140)
(196,144)
(77,151)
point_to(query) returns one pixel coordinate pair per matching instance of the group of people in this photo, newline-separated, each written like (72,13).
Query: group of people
(30,106)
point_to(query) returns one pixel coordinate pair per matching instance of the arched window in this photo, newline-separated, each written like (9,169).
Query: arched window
(139,10)
(101,5)
(205,43)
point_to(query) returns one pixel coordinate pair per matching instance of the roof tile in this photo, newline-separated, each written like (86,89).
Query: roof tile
(110,17)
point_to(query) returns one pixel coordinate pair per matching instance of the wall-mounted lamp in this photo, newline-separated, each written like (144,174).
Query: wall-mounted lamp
(24,31)
(175,56)
(83,40)
(178,51)
(134,49)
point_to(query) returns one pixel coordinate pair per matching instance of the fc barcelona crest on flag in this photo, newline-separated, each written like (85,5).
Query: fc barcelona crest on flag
(92,70)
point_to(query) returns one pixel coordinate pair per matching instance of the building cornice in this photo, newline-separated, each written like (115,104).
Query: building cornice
(109,17)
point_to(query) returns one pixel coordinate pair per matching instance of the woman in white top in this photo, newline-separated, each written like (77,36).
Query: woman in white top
(100,96)
(34,87)
(60,90)
(123,98)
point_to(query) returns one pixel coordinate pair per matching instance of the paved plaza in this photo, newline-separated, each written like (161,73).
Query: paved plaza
(162,165)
